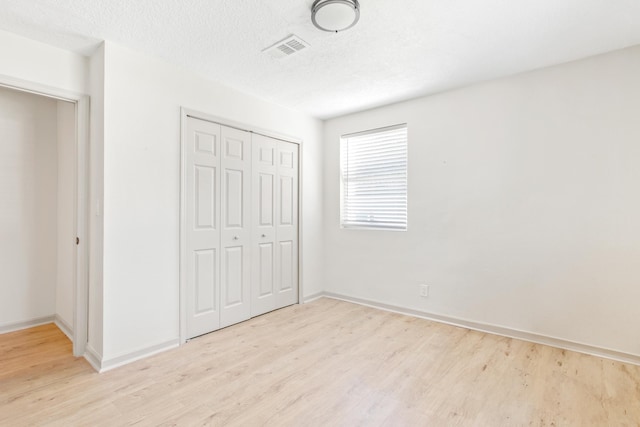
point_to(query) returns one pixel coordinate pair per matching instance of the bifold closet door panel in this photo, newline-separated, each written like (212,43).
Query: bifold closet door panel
(287,159)
(242,225)
(263,259)
(235,256)
(202,165)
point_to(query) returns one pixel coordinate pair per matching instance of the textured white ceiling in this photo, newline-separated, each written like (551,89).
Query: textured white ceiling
(400,49)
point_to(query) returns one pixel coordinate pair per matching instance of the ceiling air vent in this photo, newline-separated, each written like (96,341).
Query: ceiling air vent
(287,47)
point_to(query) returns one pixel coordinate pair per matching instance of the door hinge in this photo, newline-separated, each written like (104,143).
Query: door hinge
(77,240)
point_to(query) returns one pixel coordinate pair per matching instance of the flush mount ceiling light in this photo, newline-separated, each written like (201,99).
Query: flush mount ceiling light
(335,15)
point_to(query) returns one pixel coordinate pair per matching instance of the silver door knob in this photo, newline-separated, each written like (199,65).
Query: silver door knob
(264,235)
(235,237)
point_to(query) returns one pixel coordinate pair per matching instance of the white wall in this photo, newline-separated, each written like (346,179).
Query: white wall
(524,205)
(522,209)
(66,251)
(28,207)
(135,107)
(142,104)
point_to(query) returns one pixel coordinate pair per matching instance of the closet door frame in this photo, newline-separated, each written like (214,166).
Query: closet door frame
(185,114)
(83,172)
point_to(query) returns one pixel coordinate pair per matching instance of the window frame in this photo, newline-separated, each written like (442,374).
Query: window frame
(344,140)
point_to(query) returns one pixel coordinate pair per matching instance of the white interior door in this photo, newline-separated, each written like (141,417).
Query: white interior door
(236,226)
(263,260)
(287,158)
(202,226)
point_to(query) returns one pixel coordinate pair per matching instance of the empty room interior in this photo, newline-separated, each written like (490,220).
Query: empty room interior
(320,213)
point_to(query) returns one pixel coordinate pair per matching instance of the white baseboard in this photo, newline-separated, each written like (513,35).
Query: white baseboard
(494,329)
(94,359)
(64,327)
(312,297)
(25,324)
(115,362)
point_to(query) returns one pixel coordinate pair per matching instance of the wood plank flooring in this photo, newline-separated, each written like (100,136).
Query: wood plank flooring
(327,363)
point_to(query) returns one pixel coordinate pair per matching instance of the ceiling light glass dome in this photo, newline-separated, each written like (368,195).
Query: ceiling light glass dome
(335,15)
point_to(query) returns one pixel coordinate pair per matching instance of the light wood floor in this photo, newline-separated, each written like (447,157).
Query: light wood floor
(327,363)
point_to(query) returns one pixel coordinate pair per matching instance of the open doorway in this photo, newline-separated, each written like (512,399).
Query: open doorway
(41,214)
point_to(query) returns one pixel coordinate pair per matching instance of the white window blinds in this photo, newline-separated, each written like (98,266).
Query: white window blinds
(374,179)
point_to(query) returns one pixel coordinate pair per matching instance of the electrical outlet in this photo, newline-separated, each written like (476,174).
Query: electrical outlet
(424,290)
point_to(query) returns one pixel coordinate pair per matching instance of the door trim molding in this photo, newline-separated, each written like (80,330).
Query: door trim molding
(81,218)
(185,114)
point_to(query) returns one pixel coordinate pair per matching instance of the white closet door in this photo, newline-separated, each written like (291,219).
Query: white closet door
(286,224)
(236,226)
(263,281)
(202,226)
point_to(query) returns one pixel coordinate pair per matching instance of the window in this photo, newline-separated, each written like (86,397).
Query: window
(374,179)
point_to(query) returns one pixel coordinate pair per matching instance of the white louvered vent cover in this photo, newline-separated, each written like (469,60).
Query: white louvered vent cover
(287,47)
